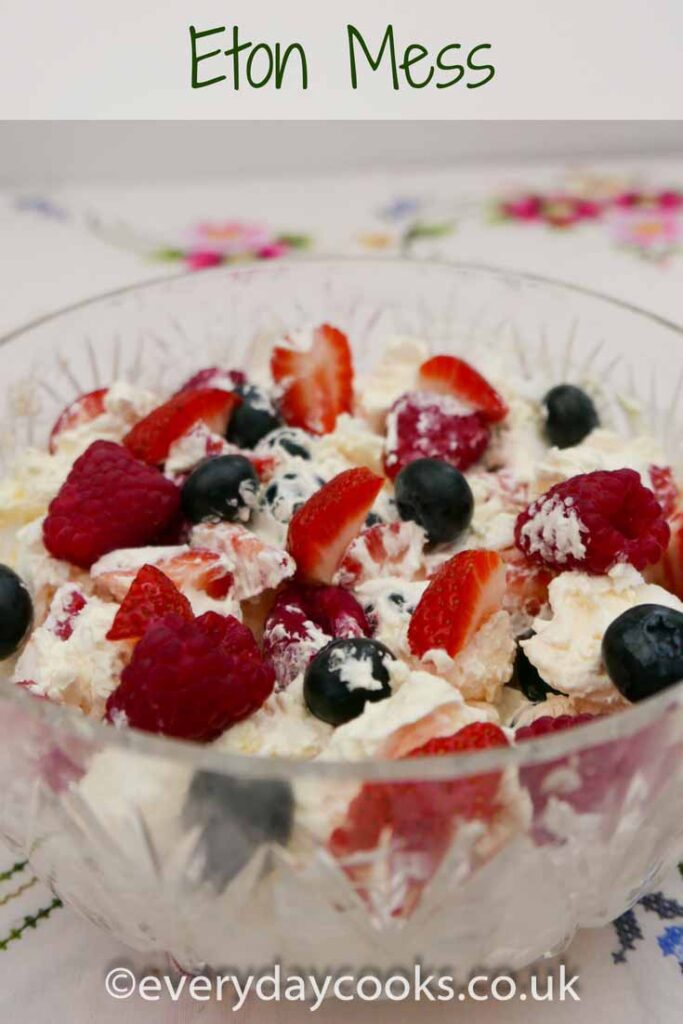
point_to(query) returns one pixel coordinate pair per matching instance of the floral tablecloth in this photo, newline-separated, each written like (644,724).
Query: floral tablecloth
(616,229)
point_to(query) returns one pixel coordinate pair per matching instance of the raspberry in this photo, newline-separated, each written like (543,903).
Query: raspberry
(303,620)
(191,680)
(593,521)
(424,425)
(108,501)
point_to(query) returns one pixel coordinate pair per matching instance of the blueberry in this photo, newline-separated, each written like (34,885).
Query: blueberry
(529,679)
(330,689)
(223,487)
(236,817)
(16,612)
(643,650)
(437,496)
(253,419)
(290,440)
(570,415)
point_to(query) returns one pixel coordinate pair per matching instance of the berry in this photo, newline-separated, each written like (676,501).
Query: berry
(253,419)
(222,488)
(303,620)
(82,410)
(464,593)
(16,612)
(643,650)
(67,605)
(151,438)
(289,440)
(548,724)
(570,415)
(414,822)
(449,375)
(437,497)
(109,500)
(671,566)
(382,549)
(191,680)
(322,529)
(215,377)
(422,425)
(254,565)
(526,584)
(665,490)
(592,521)
(344,676)
(198,569)
(527,676)
(318,383)
(152,595)
(235,818)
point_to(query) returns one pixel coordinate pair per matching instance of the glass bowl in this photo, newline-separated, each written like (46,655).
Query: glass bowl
(218,859)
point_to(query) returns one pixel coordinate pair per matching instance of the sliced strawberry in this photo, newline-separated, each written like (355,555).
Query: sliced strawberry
(255,565)
(386,549)
(466,591)
(151,596)
(670,568)
(409,826)
(318,383)
(664,486)
(150,439)
(191,570)
(526,584)
(214,377)
(82,410)
(322,529)
(452,376)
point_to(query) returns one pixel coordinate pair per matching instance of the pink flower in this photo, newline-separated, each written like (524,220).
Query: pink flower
(525,208)
(652,230)
(272,251)
(200,259)
(232,238)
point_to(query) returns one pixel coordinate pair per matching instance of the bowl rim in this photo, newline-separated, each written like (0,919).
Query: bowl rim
(606,728)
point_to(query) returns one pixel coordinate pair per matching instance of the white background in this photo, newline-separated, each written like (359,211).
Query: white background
(130,59)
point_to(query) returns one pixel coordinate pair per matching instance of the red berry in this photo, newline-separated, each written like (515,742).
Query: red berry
(191,680)
(195,569)
(665,490)
(303,620)
(151,596)
(415,822)
(151,438)
(214,377)
(109,500)
(466,591)
(385,549)
(593,521)
(449,375)
(82,410)
(428,426)
(322,529)
(548,724)
(672,561)
(318,383)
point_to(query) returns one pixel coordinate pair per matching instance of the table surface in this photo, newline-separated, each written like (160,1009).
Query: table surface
(616,229)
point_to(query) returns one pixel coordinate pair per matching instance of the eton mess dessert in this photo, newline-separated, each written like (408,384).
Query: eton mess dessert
(296,562)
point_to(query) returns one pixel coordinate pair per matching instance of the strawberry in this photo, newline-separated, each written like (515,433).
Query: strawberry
(322,529)
(150,439)
(318,383)
(255,565)
(526,584)
(191,570)
(670,568)
(151,596)
(411,825)
(464,593)
(452,376)
(82,410)
(385,549)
